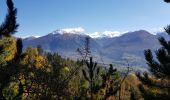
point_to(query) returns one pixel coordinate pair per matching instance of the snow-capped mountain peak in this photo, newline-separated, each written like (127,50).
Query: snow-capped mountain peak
(81,31)
(108,34)
(78,30)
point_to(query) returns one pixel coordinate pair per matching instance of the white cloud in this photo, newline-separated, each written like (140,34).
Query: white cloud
(105,34)
(23,37)
(154,31)
(94,34)
(111,33)
(77,30)
(37,36)
(80,30)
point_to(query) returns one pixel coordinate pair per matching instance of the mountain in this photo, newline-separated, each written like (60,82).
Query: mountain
(127,48)
(29,38)
(65,44)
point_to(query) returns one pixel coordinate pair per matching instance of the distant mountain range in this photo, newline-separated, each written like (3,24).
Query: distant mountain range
(127,48)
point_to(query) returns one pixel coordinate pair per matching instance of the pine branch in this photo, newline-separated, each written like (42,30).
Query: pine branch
(145,79)
(167,1)
(154,66)
(167,29)
(9,26)
(164,44)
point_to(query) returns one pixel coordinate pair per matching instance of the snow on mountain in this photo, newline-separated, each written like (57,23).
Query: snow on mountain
(104,34)
(109,34)
(30,37)
(81,31)
(78,30)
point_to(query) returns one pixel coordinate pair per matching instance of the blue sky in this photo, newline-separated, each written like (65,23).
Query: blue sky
(40,17)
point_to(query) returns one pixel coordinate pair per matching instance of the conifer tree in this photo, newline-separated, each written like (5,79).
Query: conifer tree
(7,29)
(160,72)
(90,75)
(110,82)
(9,26)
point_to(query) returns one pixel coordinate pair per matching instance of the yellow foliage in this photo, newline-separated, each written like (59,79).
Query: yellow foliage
(9,49)
(32,52)
(39,62)
(66,69)
(32,57)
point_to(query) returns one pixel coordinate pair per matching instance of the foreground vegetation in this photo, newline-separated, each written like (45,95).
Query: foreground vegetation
(35,74)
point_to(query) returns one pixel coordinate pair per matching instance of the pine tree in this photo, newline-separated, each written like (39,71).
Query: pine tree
(160,72)
(90,75)
(110,82)
(9,26)
(7,29)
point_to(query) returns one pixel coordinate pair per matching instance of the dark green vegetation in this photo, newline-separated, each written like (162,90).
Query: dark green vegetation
(34,74)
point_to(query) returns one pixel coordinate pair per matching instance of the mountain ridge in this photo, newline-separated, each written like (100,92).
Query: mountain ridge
(129,46)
